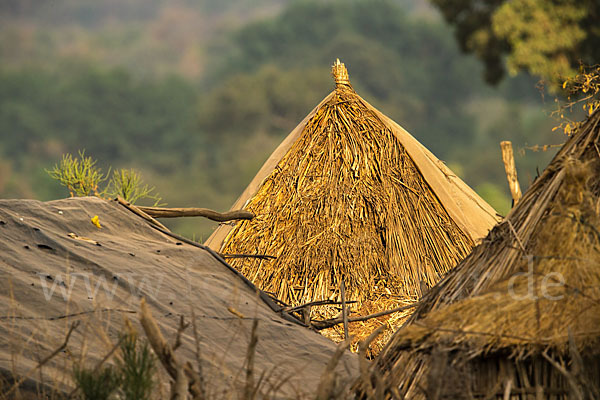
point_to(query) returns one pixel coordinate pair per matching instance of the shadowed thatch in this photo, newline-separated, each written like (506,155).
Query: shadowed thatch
(521,314)
(352,195)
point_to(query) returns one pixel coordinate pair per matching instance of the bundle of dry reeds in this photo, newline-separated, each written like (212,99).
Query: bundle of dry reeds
(554,288)
(347,201)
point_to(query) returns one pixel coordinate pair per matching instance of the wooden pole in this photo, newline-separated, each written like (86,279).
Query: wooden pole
(160,212)
(511,171)
(140,213)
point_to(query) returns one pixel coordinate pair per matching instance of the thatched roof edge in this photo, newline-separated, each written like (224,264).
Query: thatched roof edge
(488,262)
(456,196)
(216,240)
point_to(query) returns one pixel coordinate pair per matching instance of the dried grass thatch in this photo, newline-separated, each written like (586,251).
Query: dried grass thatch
(524,307)
(347,200)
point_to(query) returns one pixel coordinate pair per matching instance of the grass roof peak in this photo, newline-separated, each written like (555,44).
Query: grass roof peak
(351,195)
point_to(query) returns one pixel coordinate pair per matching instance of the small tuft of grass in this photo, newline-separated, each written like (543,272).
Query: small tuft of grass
(128,184)
(82,177)
(97,385)
(137,369)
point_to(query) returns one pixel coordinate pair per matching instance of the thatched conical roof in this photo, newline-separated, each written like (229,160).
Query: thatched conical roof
(351,194)
(529,295)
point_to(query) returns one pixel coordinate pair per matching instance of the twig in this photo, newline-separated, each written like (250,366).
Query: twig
(63,346)
(179,388)
(492,394)
(327,383)
(2,317)
(315,303)
(182,326)
(328,323)
(363,346)
(157,341)
(514,232)
(249,389)
(305,313)
(198,357)
(261,256)
(344,311)
(161,212)
(507,389)
(136,210)
(576,391)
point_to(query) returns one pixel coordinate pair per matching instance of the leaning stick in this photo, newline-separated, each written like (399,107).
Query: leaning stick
(157,341)
(136,210)
(328,323)
(511,171)
(259,256)
(249,388)
(160,212)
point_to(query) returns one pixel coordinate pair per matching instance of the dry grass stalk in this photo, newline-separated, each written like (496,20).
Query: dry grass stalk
(201,382)
(328,387)
(250,389)
(41,363)
(344,310)
(329,323)
(363,347)
(166,355)
(347,200)
(179,388)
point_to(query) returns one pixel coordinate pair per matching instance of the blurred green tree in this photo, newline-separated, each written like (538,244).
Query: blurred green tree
(410,69)
(547,38)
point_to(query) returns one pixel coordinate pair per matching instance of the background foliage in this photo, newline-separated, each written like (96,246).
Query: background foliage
(548,38)
(196,94)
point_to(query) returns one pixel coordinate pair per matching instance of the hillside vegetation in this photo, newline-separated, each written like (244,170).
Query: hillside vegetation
(196,94)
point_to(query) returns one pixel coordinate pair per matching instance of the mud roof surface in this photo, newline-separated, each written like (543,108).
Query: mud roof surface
(58,267)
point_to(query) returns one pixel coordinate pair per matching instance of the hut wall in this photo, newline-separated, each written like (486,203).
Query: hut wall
(532,378)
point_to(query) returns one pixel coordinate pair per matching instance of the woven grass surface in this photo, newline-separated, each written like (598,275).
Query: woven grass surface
(555,289)
(531,290)
(347,201)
